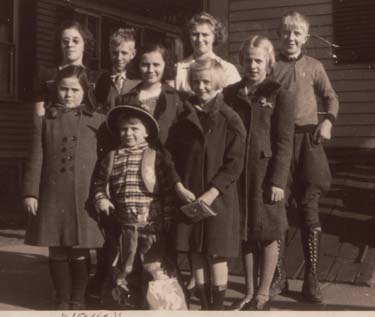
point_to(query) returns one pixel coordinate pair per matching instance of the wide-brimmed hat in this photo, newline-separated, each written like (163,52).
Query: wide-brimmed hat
(136,111)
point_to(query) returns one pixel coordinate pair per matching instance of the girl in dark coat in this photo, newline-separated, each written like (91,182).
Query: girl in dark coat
(207,145)
(155,67)
(267,113)
(57,185)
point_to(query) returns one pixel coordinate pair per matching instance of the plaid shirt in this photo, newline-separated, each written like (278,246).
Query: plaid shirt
(133,202)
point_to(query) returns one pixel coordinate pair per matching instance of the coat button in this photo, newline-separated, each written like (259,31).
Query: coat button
(63,149)
(63,170)
(69,157)
(74,138)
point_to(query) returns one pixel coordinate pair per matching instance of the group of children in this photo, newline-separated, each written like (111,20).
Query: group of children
(236,145)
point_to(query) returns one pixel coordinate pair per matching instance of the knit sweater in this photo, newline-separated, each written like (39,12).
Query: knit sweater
(307,79)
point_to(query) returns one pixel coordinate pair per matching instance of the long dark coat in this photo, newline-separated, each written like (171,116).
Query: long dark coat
(168,106)
(58,173)
(268,118)
(210,159)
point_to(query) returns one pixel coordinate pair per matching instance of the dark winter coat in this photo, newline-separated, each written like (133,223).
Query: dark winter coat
(167,108)
(210,156)
(58,173)
(268,118)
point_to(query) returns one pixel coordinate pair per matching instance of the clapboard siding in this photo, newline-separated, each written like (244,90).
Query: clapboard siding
(269,13)
(15,127)
(246,4)
(353,83)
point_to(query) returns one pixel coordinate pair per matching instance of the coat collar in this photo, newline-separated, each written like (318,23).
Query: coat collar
(265,89)
(166,92)
(285,58)
(213,107)
(57,110)
(165,88)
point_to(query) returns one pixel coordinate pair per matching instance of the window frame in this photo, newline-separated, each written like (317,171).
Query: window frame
(14,58)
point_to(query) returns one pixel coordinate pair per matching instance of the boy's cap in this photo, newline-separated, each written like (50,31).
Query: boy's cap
(136,111)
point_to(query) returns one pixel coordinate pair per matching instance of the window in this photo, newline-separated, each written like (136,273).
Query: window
(93,23)
(354,30)
(103,25)
(7,50)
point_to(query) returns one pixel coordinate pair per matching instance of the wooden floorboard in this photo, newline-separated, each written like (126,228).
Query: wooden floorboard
(366,270)
(294,253)
(329,251)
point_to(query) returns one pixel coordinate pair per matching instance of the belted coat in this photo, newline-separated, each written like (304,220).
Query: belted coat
(209,156)
(65,147)
(269,121)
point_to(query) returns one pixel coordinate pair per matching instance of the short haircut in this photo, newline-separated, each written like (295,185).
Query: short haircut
(130,117)
(78,72)
(169,60)
(213,66)
(218,28)
(259,41)
(292,19)
(120,36)
(86,35)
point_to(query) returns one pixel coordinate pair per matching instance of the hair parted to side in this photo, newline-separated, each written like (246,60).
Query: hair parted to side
(169,60)
(217,27)
(86,35)
(294,19)
(78,72)
(215,69)
(120,36)
(262,42)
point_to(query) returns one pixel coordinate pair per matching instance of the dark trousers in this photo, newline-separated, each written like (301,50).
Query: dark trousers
(309,177)
(107,254)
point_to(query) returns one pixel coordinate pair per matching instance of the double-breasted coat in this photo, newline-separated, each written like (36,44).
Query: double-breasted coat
(204,157)
(168,106)
(59,174)
(269,121)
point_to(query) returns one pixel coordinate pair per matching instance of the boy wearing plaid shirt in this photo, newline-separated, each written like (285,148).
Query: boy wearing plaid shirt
(131,183)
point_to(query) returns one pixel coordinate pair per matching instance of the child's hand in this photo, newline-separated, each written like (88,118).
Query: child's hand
(277,194)
(30,204)
(104,205)
(184,194)
(323,131)
(209,196)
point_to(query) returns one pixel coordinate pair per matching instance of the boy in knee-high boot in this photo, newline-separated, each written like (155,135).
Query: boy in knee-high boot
(306,78)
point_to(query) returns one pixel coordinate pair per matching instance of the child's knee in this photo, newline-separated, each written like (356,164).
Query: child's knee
(79,254)
(59,253)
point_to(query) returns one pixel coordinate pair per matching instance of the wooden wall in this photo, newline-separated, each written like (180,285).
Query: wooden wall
(46,21)
(354,83)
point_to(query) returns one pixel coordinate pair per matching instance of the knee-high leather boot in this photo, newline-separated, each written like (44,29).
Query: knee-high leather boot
(280,281)
(311,244)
